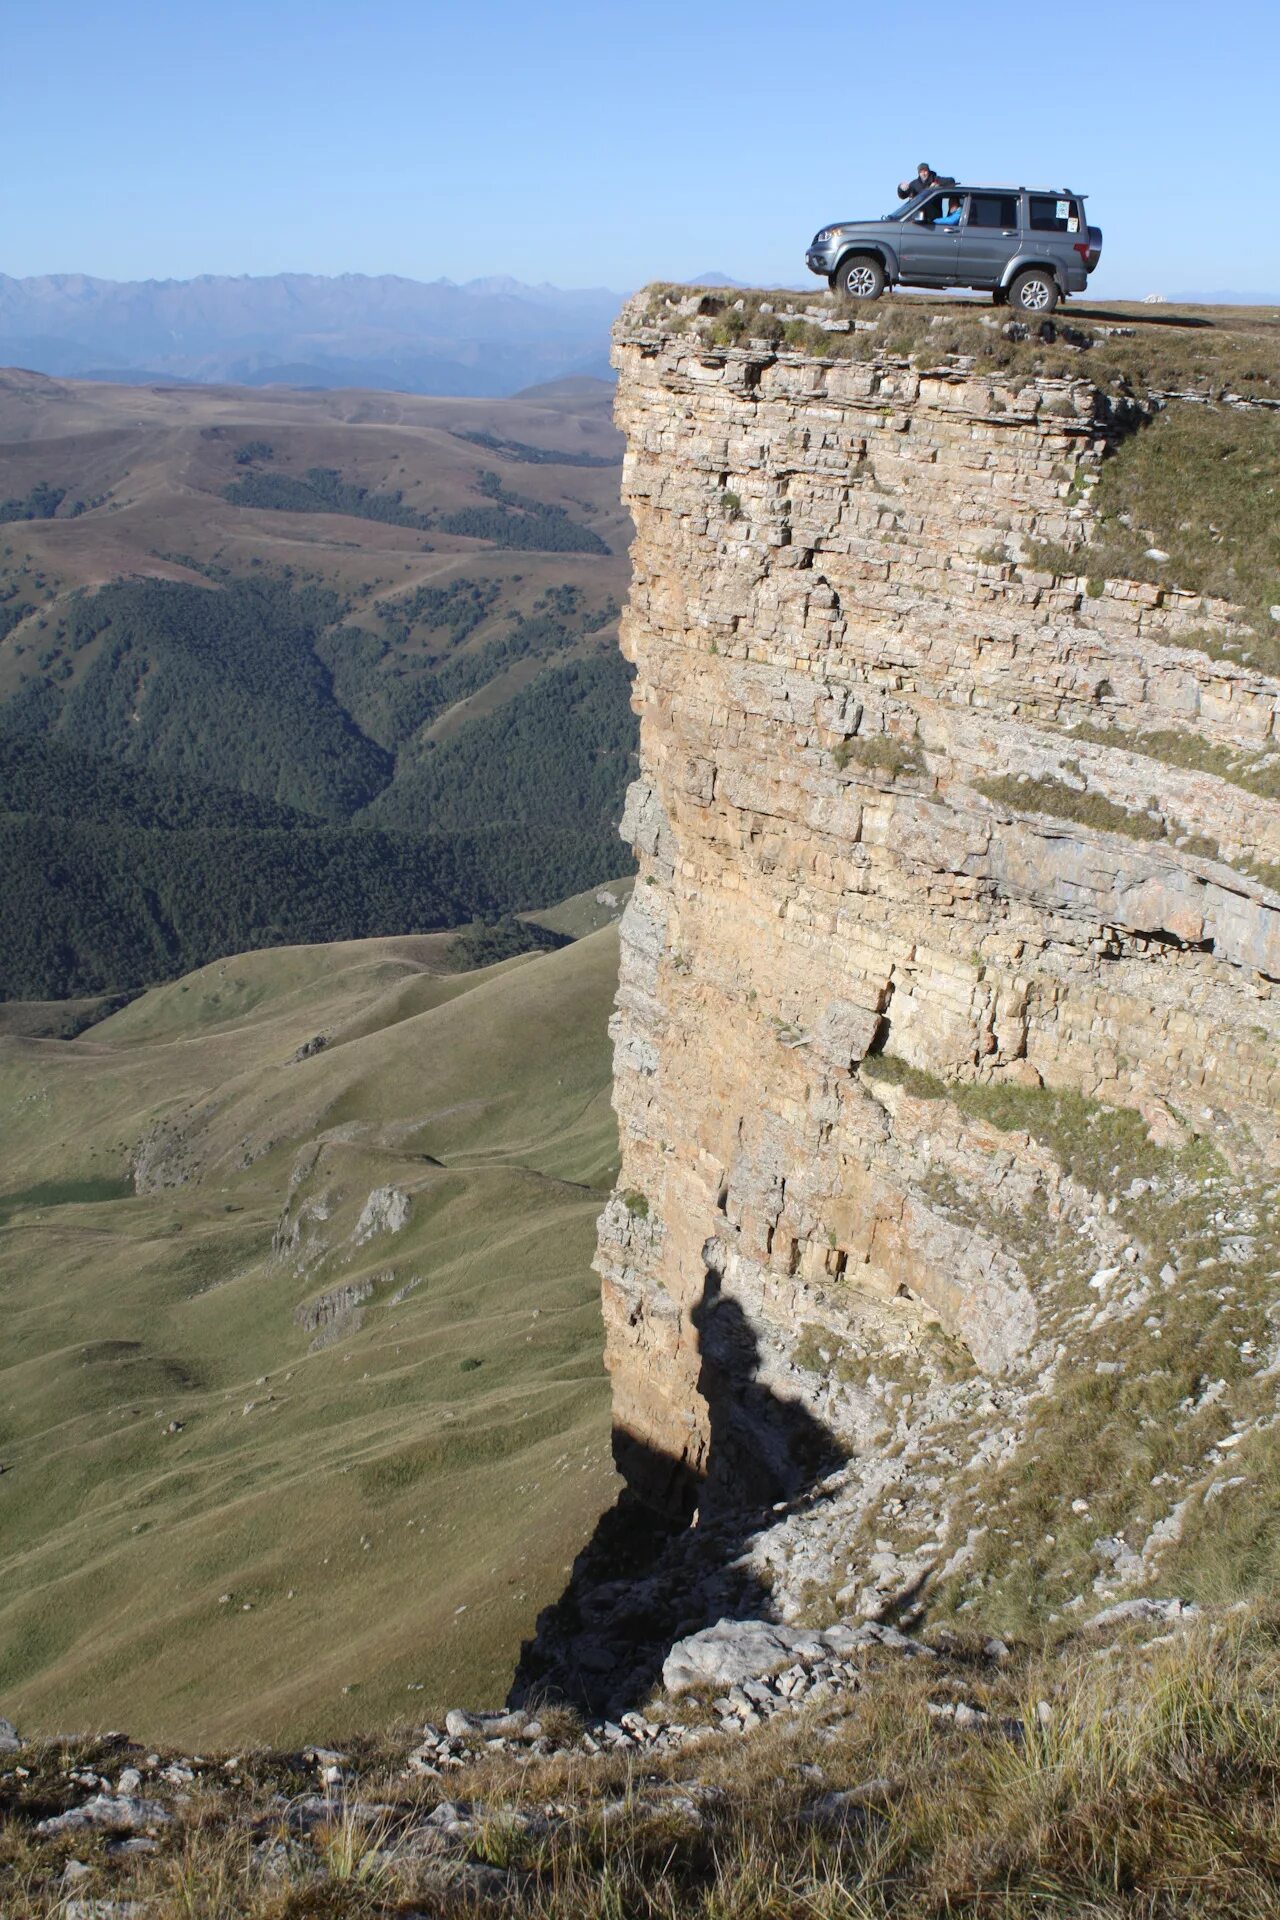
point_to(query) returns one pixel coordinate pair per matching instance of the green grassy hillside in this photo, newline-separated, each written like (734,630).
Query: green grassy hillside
(245,1428)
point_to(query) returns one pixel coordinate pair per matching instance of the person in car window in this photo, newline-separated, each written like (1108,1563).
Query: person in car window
(951,217)
(924,177)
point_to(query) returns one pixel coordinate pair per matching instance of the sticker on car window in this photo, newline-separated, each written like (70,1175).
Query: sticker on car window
(1073,225)
(1064,209)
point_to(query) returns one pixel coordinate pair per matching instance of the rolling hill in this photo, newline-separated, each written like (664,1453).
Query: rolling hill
(299,667)
(301,1372)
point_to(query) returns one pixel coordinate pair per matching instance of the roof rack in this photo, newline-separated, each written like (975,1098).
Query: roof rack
(1007,186)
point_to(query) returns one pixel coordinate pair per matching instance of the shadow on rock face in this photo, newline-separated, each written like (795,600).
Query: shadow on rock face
(762,1448)
(648,1578)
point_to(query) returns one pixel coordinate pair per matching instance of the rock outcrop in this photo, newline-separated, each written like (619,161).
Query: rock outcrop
(849,669)
(387,1210)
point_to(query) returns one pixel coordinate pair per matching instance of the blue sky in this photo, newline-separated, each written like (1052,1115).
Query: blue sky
(614,144)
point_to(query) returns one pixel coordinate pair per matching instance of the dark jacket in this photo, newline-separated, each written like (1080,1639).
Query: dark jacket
(910,188)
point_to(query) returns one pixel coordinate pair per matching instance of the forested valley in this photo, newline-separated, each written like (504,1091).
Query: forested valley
(258,751)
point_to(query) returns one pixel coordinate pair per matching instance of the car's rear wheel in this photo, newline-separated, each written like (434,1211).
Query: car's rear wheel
(1035,291)
(860,277)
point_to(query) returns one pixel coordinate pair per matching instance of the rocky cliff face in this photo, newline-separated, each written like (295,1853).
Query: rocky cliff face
(898,897)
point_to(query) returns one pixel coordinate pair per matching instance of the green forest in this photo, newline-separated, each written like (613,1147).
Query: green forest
(101,907)
(198,770)
(558,752)
(41,503)
(506,520)
(221,685)
(490,941)
(513,520)
(392,694)
(322,491)
(536,456)
(44,775)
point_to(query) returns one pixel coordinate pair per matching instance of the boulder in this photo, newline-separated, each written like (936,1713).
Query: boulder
(486,1726)
(734,1651)
(108,1813)
(844,1639)
(1126,1610)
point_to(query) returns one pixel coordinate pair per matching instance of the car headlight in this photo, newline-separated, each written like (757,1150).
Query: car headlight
(827,234)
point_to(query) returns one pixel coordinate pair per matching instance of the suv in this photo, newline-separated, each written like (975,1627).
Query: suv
(1027,246)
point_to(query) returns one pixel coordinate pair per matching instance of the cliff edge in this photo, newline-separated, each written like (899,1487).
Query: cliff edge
(945,1049)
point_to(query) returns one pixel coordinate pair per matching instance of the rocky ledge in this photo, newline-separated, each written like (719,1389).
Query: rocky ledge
(813,1742)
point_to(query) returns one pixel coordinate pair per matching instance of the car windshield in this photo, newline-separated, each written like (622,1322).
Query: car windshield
(908,206)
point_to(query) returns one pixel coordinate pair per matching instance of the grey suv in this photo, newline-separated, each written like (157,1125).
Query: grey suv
(1027,246)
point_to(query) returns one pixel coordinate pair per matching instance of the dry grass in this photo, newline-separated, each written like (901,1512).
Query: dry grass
(880,751)
(1087,809)
(1145,1785)
(1257,773)
(1090,809)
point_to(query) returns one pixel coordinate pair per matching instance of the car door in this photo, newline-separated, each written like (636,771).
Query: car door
(927,253)
(988,239)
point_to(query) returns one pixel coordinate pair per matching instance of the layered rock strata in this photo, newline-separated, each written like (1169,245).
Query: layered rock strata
(840,638)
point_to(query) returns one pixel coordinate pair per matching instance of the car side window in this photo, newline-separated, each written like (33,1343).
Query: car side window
(926,215)
(1051,215)
(996,210)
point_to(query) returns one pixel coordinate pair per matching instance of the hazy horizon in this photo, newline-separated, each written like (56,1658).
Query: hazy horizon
(498,280)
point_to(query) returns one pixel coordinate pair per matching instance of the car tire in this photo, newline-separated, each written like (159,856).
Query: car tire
(1034,291)
(860,277)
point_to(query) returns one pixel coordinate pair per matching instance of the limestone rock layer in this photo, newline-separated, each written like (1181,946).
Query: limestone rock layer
(840,637)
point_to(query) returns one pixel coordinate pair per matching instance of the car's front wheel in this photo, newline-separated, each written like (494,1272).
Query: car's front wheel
(860,277)
(1034,291)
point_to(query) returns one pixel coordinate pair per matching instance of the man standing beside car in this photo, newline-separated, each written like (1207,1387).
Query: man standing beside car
(925,177)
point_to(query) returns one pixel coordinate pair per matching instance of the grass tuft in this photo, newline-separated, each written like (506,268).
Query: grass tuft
(1257,773)
(1087,809)
(882,753)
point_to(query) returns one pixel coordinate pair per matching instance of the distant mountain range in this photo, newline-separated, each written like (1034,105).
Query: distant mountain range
(488,337)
